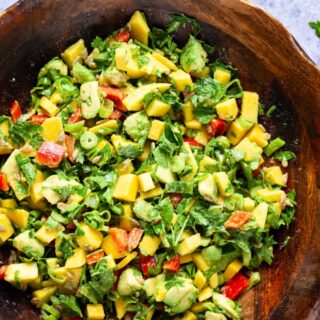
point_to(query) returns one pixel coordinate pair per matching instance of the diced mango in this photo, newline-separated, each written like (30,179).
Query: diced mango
(188,111)
(157,108)
(119,142)
(271,195)
(125,261)
(161,293)
(100,128)
(53,130)
(49,108)
(205,294)
(149,245)
(181,80)
(202,137)
(227,110)
(185,259)
(125,167)
(154,66)
(133,69)
(126,188)
(146,150)
(92,238)
(78,259)
(260,213)
(111,263)
(202,74)
(72,279)
(237,130)
(46,234)
(21,272)
(5,143)
(274,175)
(199,280)
(189,245)
(223,182)
(139,29)
(248,204)
(42,296)
(95,312)
(193,124)
(250,149)
(200,262)
(222,75)
(207,164)
(74,53)
(189,316)
(214,281)
(121,308)
(36,187)
(150,313)
(258,135)
(156,130)
(250,106)
(8,203)
(19,217)
(145,181)
(122,56)
(232,269)
(6,229)
(167,62)
(109,247)
(157,191)
(125,219)
(56,98)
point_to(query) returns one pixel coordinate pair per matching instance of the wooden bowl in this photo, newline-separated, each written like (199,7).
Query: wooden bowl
(269,62)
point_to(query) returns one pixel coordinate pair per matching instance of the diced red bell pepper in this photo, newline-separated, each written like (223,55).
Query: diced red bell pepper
(3,270)
(95,257)
(70,142)
(237,219)
(192,142)
(217,127)
(235,286)
(120,238)
(38,119)
(71,225)
(50,154)
(134,238)
(122,36)
(172,264)
(116,114)
(176,198)
(114,94)
(15,111)
(4,186)
(147,263)
(76,116)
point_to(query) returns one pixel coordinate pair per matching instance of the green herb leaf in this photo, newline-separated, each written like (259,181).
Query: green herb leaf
(316,26)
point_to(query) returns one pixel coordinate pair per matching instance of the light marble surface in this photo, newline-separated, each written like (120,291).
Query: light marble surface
(294,14)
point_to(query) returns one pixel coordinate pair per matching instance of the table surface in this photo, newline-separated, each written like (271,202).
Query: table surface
(294,14)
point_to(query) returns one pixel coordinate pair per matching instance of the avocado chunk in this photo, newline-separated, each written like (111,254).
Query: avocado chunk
(90,100)
(31,247)
(145,211)
(209,315)
(208,189)
(54,64)
(180,296)
(130,281)
(137,126)
(226,304)
(164,175)
(82,73)
(113,76)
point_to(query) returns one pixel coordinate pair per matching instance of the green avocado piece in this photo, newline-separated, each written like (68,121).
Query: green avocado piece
(31,247)
(82,73)
(90,100)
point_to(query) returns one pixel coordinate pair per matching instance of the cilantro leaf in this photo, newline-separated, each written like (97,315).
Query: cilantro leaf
(180,20)
(284,155)
(27,167)
(68,304)
(316,26)
(98,43)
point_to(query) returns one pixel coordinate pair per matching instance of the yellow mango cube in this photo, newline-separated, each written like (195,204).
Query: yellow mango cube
(53,130)
(227,110)
(6,229)
(139,29)
(202,74)
(167,62)
(125,167)
(250,106)
(95,312)
(125,219)
(157,191)
(161,293)
(133,69)
(237,130)
(110,124)
(145,181)
(49,108)
(232,269)
(18,217)
(126,187)
(205,294)
(271,195)
(199,280)
(187,111)
(202,137)
(274,175)
(25,272)
(193,124)
(74,53)
(92,238)
(122,56)
(146,150)
(157,108)
(259,213)
(189,245)
(56,98)
(189,316)
(5,143)
(214,281)
(248,204)
(200,262)
(77,260)
(223,182)
(186,259)
(125,261)
(181,80)
(36,187)
(121,308)
(46,234)
(8,203)
(250,149)
(156,130)
(42,296)
(109,247)
(222,75)
(149,245)
(258,135)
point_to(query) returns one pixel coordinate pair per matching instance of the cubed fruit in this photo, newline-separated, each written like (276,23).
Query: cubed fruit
(271,195)
(125,261)
(259,213)
(189,316)
(5,144)
(224,185)
(250,106)
(133,69)
(251,150)
(47,234)
(56,98)
(191,161)
(74,53)
(227,110)
(95,312)
(111,263)
(120,142)
(6,229)
(145,181)
(71,283)
(49,108)
(101,128)
(91,239)
(200,262)
(78,259)
(167,62)
(18,217)
(157,108)
(188,112)
(278,207)
(202,74)
(232,269)
(122,56)
(161,293)
(149,245)
(189,245)
(248,204)
(8,203)
(202,137)
(258,135)
(181,80)
(126,218)
(157,191)
(139,29)
(156,130)
(237,130)
(214,281)
(126,187)
(146,150)
(125,167)
(42,296)
(207,188)
(21,272)
(222,75)
(109,247)
(205,294)
(53,130)
(186,259)
(207,164)
(193,124)
(274,175)
(164,175)
(154,66)
(121,308)
(36,187)
(199,280)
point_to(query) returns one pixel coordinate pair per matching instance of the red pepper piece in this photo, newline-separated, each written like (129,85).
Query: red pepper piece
(235,286)
(192,142)
(114,94)
(116,114)
(70,142)
(50,154)
(122,36)
(172,264)
(3,270)
(76,116)
(95,257)
(134,238)
(4,186)
(38,119)
(176,198)
(217,127)
(120,238)
(237,219)
(15,111)
(147,263)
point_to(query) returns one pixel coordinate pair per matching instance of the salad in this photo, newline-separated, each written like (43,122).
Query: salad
(140,184)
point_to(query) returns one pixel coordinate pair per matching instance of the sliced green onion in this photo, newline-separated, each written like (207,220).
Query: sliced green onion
(106,109)
(56,278)
(273,146)
(88,140)
(74,127)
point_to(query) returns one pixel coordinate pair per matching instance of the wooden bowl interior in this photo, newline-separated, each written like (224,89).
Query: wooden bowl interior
(34,31)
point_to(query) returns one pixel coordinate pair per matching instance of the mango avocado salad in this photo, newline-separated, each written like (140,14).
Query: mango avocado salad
(140,184)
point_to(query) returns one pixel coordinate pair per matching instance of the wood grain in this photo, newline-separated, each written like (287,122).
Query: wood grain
(268,60)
